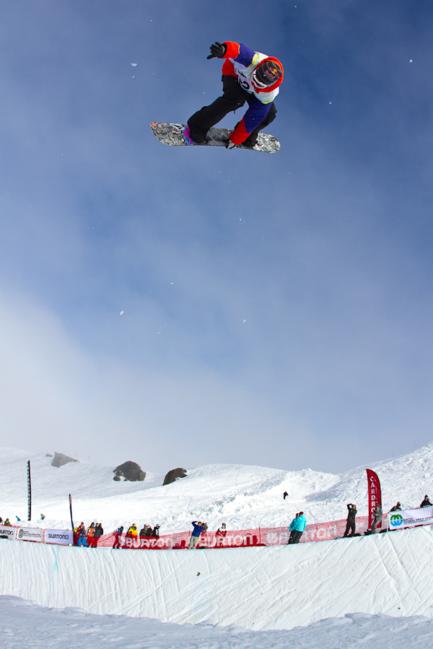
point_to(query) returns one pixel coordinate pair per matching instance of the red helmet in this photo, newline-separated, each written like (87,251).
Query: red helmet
(268,74)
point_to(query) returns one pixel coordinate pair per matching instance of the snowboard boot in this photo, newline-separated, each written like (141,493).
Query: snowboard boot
(251,141)
(187,137)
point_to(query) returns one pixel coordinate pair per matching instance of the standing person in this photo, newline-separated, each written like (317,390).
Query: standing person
(146,531)
(285,494)
(221,531)
(351,520)
(426,502)
(247,76)
(99,531)
(116,537)
(91,535)
(377,519)
(198,528)
(82,536)
(297,527)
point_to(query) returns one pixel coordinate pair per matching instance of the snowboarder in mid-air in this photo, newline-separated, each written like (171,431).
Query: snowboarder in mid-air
(247,76)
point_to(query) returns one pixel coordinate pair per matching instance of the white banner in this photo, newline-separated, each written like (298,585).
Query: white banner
(60,537)
(30,534)
(410,517)
(7,532)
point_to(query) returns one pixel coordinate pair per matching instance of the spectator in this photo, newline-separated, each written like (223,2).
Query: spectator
(117,536)
(285,494)
(351,520)
(131,535)
(7,523)
(377,519)
(198,528)
(297,527)
(132,532)
(155,532)
(82,536)
(99,531)
(396,508)
(221,531)
(1,521)
(426,502)
(91,535)
(146,531)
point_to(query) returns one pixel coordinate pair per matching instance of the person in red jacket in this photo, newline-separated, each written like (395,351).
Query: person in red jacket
(248,77)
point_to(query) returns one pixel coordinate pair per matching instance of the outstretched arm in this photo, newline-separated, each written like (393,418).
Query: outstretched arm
(232,50)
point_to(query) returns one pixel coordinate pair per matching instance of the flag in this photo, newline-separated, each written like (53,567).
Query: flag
(374,495)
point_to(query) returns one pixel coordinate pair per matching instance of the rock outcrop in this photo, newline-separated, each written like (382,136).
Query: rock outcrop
(173,475)
(60,459)
(130,471)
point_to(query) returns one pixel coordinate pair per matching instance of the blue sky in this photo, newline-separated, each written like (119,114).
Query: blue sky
(186,306)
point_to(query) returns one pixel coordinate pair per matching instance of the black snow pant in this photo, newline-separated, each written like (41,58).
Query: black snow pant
(233,97)
(295,536)
(350,527)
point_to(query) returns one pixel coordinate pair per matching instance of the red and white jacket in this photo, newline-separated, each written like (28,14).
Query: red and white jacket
(241,62)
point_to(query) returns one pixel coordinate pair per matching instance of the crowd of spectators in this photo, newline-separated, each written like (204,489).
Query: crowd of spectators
(132,535)
(88,537)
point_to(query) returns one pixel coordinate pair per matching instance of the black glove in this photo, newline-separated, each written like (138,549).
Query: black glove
(217,50)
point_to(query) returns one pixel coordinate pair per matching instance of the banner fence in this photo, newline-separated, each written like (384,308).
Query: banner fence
(253,537)
(410,518)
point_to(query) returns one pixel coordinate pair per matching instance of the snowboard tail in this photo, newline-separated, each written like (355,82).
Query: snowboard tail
(172,134)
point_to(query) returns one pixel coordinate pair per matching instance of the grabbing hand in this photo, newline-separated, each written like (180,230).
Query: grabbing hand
(217,50)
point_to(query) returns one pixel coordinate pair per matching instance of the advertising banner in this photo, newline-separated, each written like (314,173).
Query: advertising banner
(410,517)
(233,538)
(30,534)
(7,532)
(374,496)
(59,537)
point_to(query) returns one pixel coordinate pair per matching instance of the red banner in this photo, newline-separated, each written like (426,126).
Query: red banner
(234,538)
(374,496)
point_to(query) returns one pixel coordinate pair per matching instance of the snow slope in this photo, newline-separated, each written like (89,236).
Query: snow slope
(242,496)
(253,588)
(338,593)
(25,625)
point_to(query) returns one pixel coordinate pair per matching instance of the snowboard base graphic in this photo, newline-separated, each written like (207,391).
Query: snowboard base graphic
(172,134)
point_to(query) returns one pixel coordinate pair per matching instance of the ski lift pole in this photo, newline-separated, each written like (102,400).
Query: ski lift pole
(29,492)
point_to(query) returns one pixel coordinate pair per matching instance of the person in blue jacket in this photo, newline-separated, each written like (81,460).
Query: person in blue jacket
(297,527)
(198,528)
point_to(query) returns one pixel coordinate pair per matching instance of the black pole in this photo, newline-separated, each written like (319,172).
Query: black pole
(29,492)
(70,511)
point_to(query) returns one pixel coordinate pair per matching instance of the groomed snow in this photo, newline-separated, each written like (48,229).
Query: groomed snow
(25,625)
(252,588)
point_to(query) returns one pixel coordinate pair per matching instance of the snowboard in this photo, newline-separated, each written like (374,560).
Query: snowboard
(172,134)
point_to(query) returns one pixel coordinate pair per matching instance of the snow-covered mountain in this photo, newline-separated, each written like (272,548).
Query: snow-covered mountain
(242,496)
